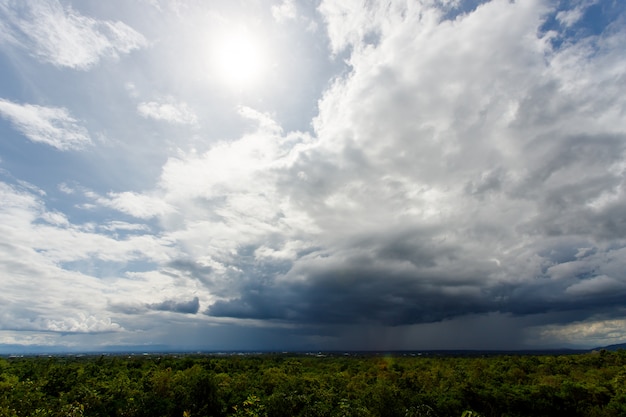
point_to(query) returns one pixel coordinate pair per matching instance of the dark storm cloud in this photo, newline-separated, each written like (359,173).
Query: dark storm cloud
(176,306)
(184,307)
(387,280)
(353,295)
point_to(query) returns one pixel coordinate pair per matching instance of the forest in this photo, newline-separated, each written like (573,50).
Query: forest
(590,384)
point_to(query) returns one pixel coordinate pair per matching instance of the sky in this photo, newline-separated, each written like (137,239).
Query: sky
(312,174)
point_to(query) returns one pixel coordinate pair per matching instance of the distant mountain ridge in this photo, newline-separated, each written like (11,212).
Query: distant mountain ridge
(612,348)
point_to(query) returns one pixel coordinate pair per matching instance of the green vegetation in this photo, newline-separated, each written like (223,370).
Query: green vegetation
(298,385)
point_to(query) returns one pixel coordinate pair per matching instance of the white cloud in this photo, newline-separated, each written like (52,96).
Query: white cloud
(81,324)
(57,240)
(137,205)
(66,189)
(264,120)
(593,332)
(39,291)
(63,37)
(285,11)
(570,17)
(347,22)
(170,111)
(227,197)
(55,218)
(124,226)
(53,126)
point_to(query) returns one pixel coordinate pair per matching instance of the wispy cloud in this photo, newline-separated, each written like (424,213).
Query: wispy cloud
(60,35)
(53,126)
(570,17)
(170,111)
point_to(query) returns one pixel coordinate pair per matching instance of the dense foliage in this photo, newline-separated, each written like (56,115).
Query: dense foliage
(300,385)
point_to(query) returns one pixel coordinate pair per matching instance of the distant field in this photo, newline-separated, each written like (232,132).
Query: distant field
(590,384)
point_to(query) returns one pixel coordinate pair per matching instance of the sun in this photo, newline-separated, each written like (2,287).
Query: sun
(240,59)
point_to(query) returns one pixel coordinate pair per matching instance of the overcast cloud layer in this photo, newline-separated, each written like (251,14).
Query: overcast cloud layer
(405,175)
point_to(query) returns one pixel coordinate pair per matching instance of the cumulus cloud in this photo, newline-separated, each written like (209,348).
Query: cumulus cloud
(462,167)
(60,35)
(82,324)
(170,111)
(53,126)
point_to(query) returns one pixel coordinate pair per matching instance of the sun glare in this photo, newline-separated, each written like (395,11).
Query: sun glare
(239,59)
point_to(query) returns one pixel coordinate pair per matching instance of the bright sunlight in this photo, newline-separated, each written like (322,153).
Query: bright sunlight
(240,59)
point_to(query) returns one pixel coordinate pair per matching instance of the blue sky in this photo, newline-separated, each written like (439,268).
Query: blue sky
(312,174)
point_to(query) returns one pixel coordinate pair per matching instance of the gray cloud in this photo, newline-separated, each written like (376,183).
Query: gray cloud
(191,268)
(185,307)
(454,180)
(169,305)
(365,289)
